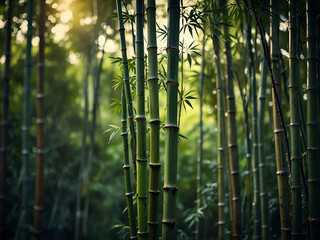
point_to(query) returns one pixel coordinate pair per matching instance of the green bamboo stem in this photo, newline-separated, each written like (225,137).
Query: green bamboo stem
(127,87)
(294,95)
(247,200)
(171,127)
(279,136)
(126,168)
(232,143)
(83,148)
(313,149)
(5,125)
(255,150)
(40,158)
(91,146)
(262,162)
(221,140)
(142,183)
(26,214)
(155,166)
(200,139)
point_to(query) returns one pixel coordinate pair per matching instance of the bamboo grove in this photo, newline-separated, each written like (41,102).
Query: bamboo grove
(217,99)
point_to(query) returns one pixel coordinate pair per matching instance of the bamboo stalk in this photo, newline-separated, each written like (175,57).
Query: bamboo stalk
(279,136)
(40,158)
(200,139)
(313,149)
(5,125)
(26,214)
(142,173)
(221,140)
(294,95)
(92,136)
(171,127)
(126,168)
(127,87)
(255,160)
(83,148)
(155,166)
(262,162)
(232,143)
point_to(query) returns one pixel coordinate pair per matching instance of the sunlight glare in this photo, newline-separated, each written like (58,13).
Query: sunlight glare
(66,16)
(60,31)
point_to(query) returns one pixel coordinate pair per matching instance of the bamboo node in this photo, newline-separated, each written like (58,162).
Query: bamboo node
(153,223)
(172,82)
(154,191)
(129,194)
(142,160)
(134,237)
(169,222)
(234,172)
(154,121)
(236,199)
(41,151)
(140,117)
(40,65)
(40,120)
(152,46)
(171,126)
(296,187)
(282,173)
(230,96)
(38,208)
(151,7)
(143,233)
(286,229)
(232,145)
(126,166)
(313,220)
(172,48)
(155,165)
(170,188)
(153,78)
(124,133)
(220,204)
(121,29)
(278,130)
(312,181)
(124,49)
(220,222)
(220,149)
(295,158)
(40,96)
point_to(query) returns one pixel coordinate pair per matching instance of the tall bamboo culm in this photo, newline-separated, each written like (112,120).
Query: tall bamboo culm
(26,208)
(221,140)
(40,158)
(313,149)
(142,183)
(294,95)
(155,166)
(255,150)
(5,125)
(262,162)
(126,81)
(232,142)
(279,137)
(126,168)
(200,137)
(171,127)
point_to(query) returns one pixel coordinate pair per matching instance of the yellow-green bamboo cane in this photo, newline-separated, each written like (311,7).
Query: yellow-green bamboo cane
(279,137)
(154,176)
(232,143)
(39,188)
(126,167)
(142,178)
(171,127)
